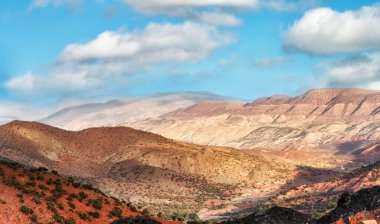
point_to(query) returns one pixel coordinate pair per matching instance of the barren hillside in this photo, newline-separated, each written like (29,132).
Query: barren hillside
(160,171)
(315,119)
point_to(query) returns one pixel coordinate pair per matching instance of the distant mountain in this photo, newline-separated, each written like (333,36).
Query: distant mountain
(341,119)
(318,118)
(117,112)
(141,167)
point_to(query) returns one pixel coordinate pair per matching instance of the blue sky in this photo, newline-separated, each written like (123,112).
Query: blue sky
(63,52)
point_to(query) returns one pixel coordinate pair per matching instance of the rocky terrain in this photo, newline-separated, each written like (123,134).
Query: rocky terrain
(144,168)
(320,118)
(319,199)
(361,207)
(34,195)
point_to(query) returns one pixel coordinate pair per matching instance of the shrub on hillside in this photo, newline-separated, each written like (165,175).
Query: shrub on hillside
(134,220)
(26,210)
(115,212)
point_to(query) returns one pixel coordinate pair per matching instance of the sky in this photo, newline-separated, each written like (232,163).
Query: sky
(58,53)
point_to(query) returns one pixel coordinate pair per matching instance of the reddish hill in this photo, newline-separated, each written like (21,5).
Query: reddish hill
(37,196)
(164,174)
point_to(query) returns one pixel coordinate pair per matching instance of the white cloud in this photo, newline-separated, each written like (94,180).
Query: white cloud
(324,31)
(56,3)
(57,81)
(114,55)
(218,19)
(270,62)
(179,7)
(157,43)
(358,70)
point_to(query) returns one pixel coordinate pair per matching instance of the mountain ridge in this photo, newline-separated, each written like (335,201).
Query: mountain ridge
(316,118)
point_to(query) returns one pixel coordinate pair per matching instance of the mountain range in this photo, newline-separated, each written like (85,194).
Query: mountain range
(209,157)
(320,118)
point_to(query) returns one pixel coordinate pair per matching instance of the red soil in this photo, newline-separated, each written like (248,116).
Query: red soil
(12,199)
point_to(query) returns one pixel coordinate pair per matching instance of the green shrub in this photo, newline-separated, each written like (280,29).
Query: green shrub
(37,200)
(82,215)
(33,218)
(19,195)
(58,218)
(115,212)
(26,210)
(133,208)
(42,169)
(82,195)
(145,211)
(87,186)
(94,214)
(49,181)
(43,187)
(76,185)
(70,221)
(97,204)
(71,204)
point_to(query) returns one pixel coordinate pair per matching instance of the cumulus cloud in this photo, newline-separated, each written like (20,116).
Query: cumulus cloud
(357,70)
(270,62)
(157,43)
(324,31)
(115,54)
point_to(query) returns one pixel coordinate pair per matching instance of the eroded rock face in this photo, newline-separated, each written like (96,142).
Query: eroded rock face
(361,207)
(348,205)
(318,117)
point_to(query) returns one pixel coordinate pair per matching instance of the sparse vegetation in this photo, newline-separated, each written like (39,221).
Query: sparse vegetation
(26,210)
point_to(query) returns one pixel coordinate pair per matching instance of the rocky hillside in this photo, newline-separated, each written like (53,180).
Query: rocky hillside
(158,170)
(318,118)
(359,208)
(320,198)
(34,195)
(363,205)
